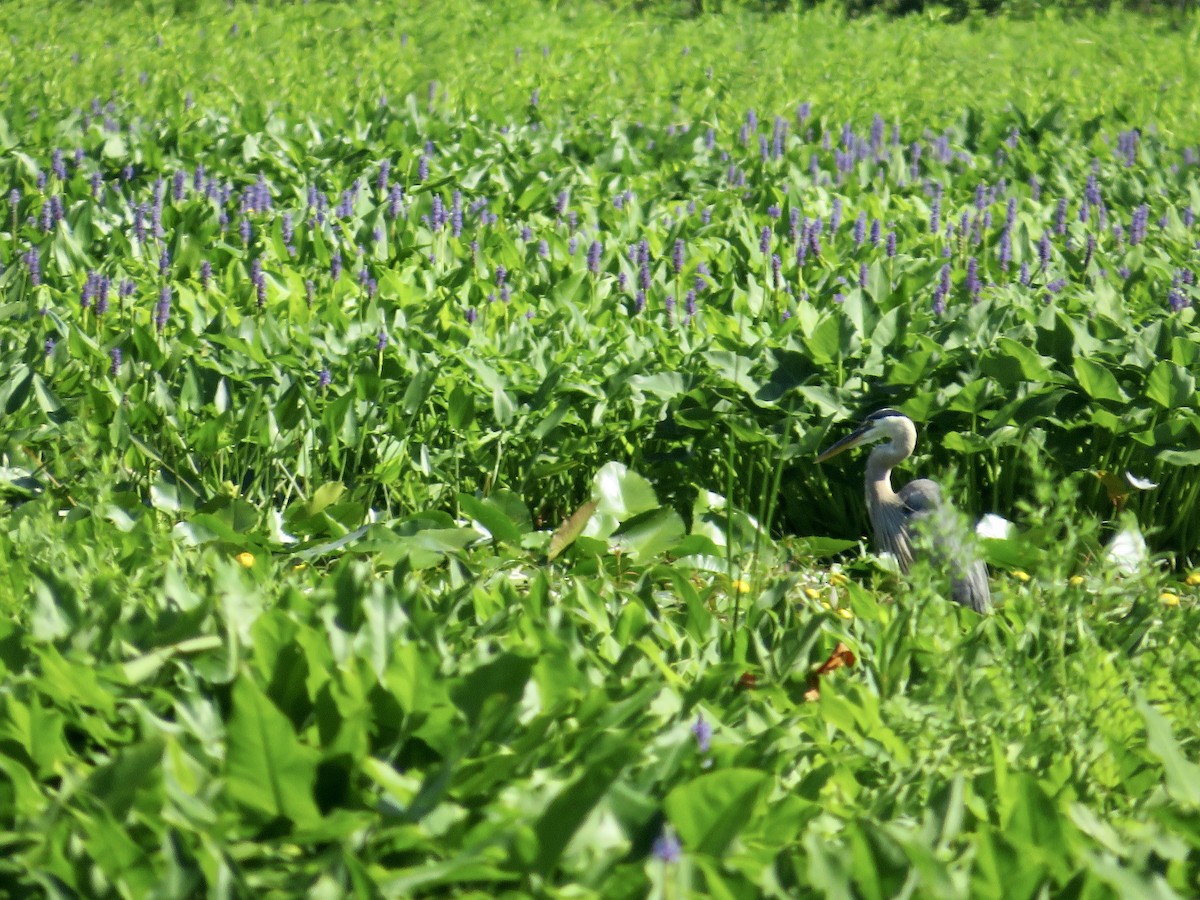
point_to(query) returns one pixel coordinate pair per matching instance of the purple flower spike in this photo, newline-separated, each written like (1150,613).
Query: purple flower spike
(115,355)
(593,257)
(667,848)
(324,378)
(33,261)
(703,732)
(162,311)
(677,256)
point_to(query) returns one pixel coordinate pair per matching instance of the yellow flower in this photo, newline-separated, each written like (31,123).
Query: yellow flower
(1020,574)
(838,578)
(1167,598)
(813,593)
(845,613)
(246,559)
(1076,580)
(1193,579)
(826,604)
(741,586)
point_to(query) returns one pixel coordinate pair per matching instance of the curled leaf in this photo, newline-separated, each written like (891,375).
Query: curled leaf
(841,656)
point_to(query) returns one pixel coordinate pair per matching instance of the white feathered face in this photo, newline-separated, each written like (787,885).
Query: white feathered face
(886,424)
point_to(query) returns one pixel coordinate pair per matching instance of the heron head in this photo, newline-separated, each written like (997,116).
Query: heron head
(885,424)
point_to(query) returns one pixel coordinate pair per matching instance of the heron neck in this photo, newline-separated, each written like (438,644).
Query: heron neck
(880,463)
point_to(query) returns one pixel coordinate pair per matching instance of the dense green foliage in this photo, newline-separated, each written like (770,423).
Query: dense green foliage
(311,340)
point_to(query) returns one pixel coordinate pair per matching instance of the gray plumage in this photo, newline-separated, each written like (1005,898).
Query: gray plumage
(916,512)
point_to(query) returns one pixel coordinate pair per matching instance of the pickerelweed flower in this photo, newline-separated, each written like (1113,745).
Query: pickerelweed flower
(972,281)
(1004,251)
(677,256)
(764,240)
(1139,224)
(639,302)
(33,262)
(101,294)
(48,347)
(942,291)
(423,168)
(862,275)
(860,229)
(472,315)
(703,732)
(876,231)
(335,266)
(1024,277)
(891,244)
(572,245)
(1044,250)
(115,366)
(593,257)
(456,214)
(544,248)
(667,848)
(162,312)
(246,231)
(324,378)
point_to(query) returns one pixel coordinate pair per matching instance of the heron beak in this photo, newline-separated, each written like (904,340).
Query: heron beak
(860,435)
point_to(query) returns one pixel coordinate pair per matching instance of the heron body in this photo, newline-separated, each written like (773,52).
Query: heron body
(897,516)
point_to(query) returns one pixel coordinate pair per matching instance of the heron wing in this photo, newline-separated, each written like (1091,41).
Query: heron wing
(972,590)
(969,579)
(893,531)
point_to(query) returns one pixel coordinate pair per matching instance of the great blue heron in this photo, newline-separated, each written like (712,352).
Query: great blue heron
(895,516)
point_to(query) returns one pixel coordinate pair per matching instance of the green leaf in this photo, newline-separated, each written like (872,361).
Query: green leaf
(1182,775)
(325,495)
(491,516)
(1097,381)
(575,802)
(266,768)
(1171,386)
(649,535)
(711,810)
(621,493)
(499,682)
(460,408)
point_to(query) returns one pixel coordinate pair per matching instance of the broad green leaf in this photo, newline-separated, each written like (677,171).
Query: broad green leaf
(1182,774)
(622,493)
(1097,381)
(710,811)
(266,768)
(491,516)
(1171,386)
